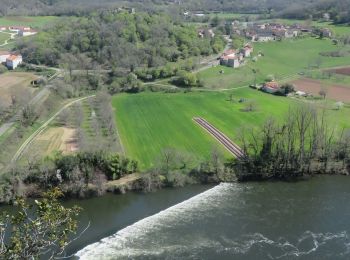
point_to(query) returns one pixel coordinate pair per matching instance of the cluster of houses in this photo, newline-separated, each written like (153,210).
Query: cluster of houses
(235,58)
(19,30)
(10,60)
(263,32)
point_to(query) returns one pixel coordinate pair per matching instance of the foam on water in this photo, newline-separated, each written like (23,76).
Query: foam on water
(155,236)
(114,245)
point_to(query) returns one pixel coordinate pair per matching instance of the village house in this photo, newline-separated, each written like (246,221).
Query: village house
(4,55)
(3,28)
(271,87)
(13,61)
(265,36)
(230,58)
(247,50)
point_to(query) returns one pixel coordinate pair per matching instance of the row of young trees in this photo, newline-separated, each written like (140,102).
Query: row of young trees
(302,144)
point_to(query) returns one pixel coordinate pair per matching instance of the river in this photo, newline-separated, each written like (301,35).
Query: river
(275,220)
(270,220)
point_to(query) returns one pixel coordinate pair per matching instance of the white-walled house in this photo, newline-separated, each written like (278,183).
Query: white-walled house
(247,50)
(24,33)
(4,55)
(13,61)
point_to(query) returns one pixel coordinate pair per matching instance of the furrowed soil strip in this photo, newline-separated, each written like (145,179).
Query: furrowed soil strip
(234,149)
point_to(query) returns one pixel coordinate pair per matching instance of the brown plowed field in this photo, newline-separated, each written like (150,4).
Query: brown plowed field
(335,91)
(343,71)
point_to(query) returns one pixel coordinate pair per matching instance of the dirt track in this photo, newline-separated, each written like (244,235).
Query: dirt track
(234,149)
(335,91)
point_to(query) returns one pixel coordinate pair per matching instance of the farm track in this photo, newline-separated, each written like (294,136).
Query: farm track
(25,145)
(234,149)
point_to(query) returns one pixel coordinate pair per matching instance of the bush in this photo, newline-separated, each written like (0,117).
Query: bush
(3,69)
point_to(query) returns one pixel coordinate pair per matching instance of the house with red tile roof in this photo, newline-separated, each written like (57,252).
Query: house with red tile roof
(13,61)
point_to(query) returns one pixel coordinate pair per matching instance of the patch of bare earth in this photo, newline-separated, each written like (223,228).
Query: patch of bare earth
(335,91)
(15,84)
(57,139)
(342,71)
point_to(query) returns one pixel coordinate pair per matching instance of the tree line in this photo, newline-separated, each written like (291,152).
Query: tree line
(302,144)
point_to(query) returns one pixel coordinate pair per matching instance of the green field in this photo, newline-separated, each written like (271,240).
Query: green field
(150,122)
(33,21)
(281,59)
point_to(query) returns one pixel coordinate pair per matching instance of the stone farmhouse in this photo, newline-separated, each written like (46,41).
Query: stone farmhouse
(235,58)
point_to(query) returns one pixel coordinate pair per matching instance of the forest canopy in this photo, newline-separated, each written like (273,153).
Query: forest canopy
(120,40)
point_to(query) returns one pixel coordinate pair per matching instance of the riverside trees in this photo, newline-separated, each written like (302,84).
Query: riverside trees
(39,230)
(302,144)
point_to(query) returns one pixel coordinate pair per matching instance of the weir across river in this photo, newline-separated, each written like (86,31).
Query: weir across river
(233,148)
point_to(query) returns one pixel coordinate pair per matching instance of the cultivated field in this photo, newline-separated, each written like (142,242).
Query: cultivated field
(149,123)
(15,83)
(334,91)
(281,59)
(53,139)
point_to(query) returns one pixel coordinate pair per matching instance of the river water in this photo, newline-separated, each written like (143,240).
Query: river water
(303,220)
(271,220)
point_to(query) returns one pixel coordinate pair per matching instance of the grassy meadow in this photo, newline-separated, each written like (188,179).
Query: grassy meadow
(282,59)
(150,122)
